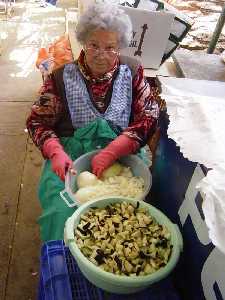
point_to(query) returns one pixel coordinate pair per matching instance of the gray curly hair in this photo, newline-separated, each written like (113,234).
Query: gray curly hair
(104,16)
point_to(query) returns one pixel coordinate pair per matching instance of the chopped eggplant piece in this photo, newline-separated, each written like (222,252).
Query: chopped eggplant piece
(85,227)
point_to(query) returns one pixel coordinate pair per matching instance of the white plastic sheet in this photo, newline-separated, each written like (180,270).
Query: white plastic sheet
(196,110)
(212,186)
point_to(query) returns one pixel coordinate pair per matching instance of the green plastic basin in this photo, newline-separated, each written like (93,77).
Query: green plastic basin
(117,283)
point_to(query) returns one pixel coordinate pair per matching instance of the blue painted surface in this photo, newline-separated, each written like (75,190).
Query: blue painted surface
(172,175)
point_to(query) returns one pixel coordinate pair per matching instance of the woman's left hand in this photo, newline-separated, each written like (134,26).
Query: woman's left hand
(121,146)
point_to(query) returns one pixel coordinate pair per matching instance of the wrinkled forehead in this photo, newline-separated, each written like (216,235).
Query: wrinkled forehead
(103,37)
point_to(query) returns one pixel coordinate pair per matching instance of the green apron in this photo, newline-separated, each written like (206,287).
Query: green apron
(55,211)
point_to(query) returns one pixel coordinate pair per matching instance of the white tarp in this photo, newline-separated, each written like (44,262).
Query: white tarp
(196,110)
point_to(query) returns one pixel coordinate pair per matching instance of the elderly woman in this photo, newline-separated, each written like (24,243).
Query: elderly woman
(100,100)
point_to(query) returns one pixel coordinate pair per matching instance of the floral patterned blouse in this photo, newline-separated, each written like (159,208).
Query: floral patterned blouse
(48,108)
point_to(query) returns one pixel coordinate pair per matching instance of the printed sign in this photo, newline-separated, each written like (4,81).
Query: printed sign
(200,274)
(151,30)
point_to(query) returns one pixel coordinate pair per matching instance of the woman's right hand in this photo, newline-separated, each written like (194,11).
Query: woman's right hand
(61,162)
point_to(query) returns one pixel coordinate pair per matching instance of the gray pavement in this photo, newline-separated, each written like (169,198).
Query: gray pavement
(27,29)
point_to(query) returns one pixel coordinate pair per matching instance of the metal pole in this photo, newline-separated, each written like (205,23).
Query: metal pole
(217,32)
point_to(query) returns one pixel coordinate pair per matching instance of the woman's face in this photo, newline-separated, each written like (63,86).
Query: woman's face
(101,50)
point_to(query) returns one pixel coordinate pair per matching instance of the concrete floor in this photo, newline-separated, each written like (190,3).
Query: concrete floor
(29,27)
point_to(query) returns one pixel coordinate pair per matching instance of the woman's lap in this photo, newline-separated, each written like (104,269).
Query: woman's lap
(54,210)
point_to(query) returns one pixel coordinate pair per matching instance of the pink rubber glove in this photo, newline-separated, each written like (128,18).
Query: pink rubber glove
(121,146)
(61,162)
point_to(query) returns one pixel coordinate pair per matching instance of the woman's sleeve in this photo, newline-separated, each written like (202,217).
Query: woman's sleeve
(45,112)
(145,109)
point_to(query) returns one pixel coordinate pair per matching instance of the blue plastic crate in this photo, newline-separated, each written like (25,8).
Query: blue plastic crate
(61,279)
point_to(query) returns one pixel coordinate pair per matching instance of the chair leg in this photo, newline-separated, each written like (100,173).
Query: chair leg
(153,143)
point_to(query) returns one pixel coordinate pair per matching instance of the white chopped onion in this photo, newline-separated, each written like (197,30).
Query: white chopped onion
(125,185)
(86,179)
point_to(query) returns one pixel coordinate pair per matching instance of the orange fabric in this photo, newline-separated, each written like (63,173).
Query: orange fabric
(60,52)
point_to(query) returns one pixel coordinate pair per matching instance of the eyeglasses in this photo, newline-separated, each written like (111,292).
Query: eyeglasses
(96,51)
